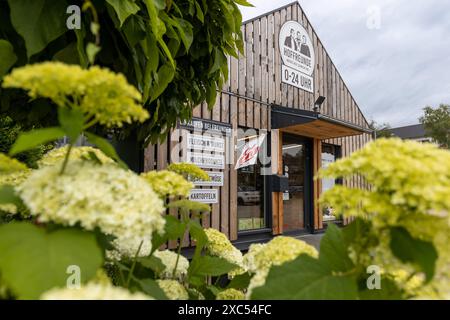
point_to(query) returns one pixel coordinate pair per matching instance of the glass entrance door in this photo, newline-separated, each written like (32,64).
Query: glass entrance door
(294,167)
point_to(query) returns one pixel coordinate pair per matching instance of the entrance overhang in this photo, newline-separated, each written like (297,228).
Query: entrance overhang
(312,124)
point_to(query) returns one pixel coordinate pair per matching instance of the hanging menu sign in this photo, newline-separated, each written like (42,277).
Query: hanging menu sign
(205,143)
(199,125)
(206,160)
(216,180)
(209,196)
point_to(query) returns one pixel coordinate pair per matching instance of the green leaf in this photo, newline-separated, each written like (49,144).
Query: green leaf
(389,291)
(91,51)
(33,261)
(7,57)
(82,56)
(39,22)
(124,8)
(157,25)
(219,60)
(134,30)
(199,12)
(240,281)
(306,278)
(165,76)
(211,266)
(34,138)
(174,228)
(411,250)
(334,251)
(105,146)
(198,234)
(68,55)
(151,288)
(152,263)
(211,94)
(185,31)
(8,195)
(243,3)
(71,121)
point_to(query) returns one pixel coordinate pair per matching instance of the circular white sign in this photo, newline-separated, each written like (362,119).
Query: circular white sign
(296,47)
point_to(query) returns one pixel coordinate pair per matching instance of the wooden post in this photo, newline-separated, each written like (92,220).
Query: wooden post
(317,184)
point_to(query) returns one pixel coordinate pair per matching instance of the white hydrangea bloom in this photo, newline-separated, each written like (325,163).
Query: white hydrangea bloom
(117,201)
(173,289)
(93,291)
(56,156)
(168,259)
(261,257)
(219,245)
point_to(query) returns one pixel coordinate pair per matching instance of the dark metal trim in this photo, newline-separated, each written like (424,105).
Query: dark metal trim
(298,116)
(343,123)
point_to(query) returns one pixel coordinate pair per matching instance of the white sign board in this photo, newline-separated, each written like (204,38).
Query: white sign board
(327,159)
(209,196)
(206,160)
(297,79)
(297,54)
(250,151)
(216,180)
(205,143)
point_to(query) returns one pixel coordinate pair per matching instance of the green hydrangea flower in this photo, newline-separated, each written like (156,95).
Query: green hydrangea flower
(166,183)
(101,95)
(173,289)
(57,155)
(230,294)
(189,170)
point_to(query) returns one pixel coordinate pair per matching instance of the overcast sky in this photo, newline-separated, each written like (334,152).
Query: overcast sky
(394,63)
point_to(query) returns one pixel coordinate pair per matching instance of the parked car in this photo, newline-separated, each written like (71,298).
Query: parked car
(248,195)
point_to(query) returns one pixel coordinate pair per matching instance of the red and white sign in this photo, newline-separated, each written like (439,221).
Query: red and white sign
(250,152)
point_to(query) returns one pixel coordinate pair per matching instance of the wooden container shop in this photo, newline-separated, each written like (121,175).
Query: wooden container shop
(284,99)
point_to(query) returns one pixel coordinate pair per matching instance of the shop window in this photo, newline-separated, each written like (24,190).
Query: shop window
(330,153)
(251,181)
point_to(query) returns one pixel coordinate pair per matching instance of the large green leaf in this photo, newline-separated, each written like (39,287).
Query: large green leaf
(39,22)
(153,263)
(411,250)
(124,8)
(165,76)
(240,281)
(7,57)
(185,31)
(210,266)
(389,291)
(306,278)
(334,250)
(33,260)
(156,24)
(151,288)
(8,195)
(34,138)
(71,121)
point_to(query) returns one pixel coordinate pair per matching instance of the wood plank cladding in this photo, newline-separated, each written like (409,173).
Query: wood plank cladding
(245,101)
(260,74)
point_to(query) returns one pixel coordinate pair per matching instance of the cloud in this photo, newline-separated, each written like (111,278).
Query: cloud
(394,71)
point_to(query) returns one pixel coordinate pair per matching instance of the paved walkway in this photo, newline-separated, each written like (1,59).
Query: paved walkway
(312,239)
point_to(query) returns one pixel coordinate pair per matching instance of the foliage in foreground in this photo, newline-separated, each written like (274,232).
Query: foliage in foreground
(401,230)
(83,219)
(174,52)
